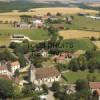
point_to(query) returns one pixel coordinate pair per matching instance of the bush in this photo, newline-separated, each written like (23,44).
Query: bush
(93,38)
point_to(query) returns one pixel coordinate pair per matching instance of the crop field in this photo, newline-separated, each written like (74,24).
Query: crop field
(4,40)
(95,4)
(97,43)
(14,15)
(75,34)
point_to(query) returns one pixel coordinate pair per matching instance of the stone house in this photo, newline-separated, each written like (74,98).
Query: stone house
(40,76)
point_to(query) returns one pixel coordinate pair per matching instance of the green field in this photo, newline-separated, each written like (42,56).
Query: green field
(83,23)
(7,30)
(73,76)
(78,44)
(35,34)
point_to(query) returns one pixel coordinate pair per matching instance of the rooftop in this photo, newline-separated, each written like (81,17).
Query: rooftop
(94,85)
(14,63)
(3,68)
(46,72)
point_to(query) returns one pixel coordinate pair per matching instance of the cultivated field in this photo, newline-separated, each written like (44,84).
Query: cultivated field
(95,4)
(14,15)
(75,34)
(4,40)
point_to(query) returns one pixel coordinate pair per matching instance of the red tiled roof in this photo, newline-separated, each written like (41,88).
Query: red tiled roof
(14,63)
(3,68)
(94,85)
(46,72)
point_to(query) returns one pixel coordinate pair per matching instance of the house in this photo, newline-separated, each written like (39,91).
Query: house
(70,88)
(63,57)
(95,89)
(19,38)
(44,53)
(4,70)
(45,75)
(94,86)
(13,66)
(37,23)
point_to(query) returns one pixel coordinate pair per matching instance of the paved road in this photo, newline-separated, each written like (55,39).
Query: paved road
(50,96)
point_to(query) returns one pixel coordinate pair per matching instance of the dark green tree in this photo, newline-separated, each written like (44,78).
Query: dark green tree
(6,89)
(74,65)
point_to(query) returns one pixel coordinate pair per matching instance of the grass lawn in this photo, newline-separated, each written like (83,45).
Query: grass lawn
(78,44)
(73,76)
(83,23)
(27,98)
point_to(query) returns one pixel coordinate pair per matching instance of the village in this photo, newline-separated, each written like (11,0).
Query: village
(61,65)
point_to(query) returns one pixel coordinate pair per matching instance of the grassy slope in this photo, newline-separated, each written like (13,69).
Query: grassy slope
(83,23)
(73,76)
(35,34)
(80,44)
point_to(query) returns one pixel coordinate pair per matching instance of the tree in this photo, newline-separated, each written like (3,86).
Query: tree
(82,88)
(55,86)
(48,14)
(6,88)
(26,46)
(74,65)
(16,74)
(58,14)
(52,31)
(89,54)
(22,59)
(45,88)
(92,65)
(81,85)
(82,62)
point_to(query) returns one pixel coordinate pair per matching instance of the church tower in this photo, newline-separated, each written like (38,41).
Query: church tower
(32,73)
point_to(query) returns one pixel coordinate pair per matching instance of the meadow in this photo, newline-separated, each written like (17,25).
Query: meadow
(72,77)
(7,30)
(78,44)
(34,34)
(83,23)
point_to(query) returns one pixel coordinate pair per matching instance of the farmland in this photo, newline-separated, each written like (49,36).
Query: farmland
(75,34)
(43,11)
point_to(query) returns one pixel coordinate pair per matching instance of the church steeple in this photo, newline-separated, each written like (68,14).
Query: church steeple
(32,73)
